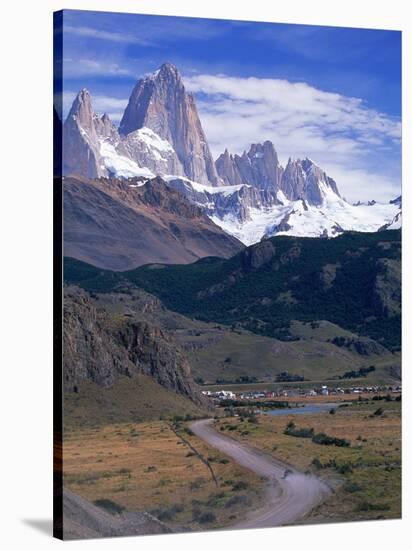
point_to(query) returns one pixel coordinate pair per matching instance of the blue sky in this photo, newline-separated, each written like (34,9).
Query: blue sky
(333,94)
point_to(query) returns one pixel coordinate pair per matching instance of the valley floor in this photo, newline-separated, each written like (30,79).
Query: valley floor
(148,467)
(365,477)
(163,468)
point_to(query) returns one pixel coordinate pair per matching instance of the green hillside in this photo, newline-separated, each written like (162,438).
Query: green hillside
(352,281)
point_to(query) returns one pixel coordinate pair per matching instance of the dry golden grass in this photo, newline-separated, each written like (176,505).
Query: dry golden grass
(145,466)
(366,475)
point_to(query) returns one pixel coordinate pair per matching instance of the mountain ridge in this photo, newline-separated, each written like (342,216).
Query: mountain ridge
(119,225)
(250,196)
(352,281)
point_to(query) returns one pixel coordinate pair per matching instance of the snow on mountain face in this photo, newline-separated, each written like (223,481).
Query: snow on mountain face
(161,103)
(80,139)
(120,166)
(251,196)
(92,147)
(301,219)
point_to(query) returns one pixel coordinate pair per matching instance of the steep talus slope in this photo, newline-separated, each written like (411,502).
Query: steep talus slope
(119,225)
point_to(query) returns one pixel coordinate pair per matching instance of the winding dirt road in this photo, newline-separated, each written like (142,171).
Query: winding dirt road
(288,498)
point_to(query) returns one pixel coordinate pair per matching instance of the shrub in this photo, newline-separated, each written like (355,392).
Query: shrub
(240,486)
(207,517)
(253,419)
(344,469)
(323,439)
(236,500)
(109,505)
(378,412)
(299,432)
(366,506)
(316,463)
(352,487)
(215,500)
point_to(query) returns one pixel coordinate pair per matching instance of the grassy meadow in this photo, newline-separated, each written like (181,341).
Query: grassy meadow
(147,467)
(365,476)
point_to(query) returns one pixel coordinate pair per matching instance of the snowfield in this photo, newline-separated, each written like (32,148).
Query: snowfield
(298,218)
(121,167)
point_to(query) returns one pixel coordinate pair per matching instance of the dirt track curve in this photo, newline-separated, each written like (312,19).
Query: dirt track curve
(288,498)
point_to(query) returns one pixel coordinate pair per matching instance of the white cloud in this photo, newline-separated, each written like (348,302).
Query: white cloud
(360,184)
(111,36)
(90,67)
(336,131)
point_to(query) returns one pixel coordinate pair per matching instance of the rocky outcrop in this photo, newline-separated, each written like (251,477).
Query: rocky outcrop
(387,287)
(251,196)
(259,167)
(258,255)
(99,348)
(116,224)
(161,103)
(81,149)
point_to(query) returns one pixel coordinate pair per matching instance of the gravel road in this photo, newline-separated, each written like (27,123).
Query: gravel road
(288,498)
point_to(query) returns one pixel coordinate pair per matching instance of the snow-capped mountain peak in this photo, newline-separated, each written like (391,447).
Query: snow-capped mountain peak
(251,196)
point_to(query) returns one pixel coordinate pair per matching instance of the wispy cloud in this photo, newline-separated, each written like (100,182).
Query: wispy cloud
(111,36)
(300,120)
(75,68)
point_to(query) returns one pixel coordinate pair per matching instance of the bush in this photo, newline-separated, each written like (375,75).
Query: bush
(168,514)
(240,486)
(366,506)
(109,505)
(236,500)
(352,487)
(253,419)
(316,463)
(299,432)
(378,412)
(323,439)
(344,469)
(206,517)
(216,499)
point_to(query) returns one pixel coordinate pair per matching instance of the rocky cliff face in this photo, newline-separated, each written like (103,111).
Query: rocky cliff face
(258,167)
(250,195)
(81,150)
(161,103)
(99,348)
